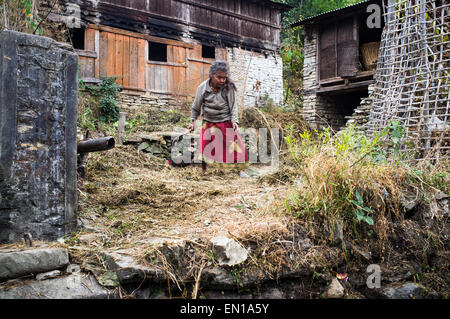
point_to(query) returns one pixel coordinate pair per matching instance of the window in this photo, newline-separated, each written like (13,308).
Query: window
(157,51)
(77,38)
(208,52)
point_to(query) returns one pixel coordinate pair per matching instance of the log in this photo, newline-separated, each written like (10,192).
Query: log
(96,144)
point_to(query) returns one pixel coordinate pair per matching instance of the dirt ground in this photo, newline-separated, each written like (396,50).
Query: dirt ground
(128,197)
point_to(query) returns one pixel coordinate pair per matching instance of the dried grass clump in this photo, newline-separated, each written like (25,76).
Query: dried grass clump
(347,176)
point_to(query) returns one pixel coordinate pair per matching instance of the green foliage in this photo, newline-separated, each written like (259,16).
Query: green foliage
(108,103)
(362,213)
(293,55)
(32,21)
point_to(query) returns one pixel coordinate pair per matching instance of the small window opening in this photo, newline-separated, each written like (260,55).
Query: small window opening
(157,51)
(77,37)
(208,52)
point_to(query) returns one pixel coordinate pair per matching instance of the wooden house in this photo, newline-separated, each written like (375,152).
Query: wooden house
(341,48)
(161,50)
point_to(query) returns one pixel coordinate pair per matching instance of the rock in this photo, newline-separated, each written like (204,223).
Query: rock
(48,275)
(24,262)
(213,294)
(128,270)
(272,293)
(305,243)
(335,290)
(218,278)
(172,249)
(227,251)
(336,232)
(92,238)
(407,290)
(143,146)
(75,286)
(109,279)
(72,268)
(359,252)
(441,195)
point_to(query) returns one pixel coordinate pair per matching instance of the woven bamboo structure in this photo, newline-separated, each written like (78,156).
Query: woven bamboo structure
(413,76)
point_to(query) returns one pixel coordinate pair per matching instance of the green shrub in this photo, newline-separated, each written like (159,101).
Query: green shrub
(107,91)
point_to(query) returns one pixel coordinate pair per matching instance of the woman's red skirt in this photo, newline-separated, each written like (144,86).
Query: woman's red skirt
(221,145)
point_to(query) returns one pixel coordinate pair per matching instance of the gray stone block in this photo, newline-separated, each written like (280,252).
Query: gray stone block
(38,118)
(15,264)
(74,286)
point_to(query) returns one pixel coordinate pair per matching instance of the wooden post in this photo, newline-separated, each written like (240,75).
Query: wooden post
(121,127)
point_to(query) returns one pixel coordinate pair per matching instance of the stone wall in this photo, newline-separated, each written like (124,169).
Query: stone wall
(310,81)
(360,116)
(38,118)
(134,103)
(257,76)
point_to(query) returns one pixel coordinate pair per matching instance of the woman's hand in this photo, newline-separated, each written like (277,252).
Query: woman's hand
(235,126)
(192,127)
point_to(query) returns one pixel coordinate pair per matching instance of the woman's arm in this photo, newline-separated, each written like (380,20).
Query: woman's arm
(197,104)
(233,106)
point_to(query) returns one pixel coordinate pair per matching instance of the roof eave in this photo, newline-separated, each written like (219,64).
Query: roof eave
(321,16)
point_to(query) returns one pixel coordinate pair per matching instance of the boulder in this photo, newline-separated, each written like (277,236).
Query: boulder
(14,264)
(335,289)
(227,251)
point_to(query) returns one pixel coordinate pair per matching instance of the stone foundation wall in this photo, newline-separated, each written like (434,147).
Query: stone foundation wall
(360,116)
(310,99)
(38,122)
(134,103)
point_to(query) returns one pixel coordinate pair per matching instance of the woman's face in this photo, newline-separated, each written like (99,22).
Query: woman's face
(219,79)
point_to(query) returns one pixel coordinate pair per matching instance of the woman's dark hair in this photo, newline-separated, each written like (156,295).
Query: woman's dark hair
(220,66)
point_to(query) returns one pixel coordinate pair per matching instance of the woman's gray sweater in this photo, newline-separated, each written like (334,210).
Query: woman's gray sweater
(215,107)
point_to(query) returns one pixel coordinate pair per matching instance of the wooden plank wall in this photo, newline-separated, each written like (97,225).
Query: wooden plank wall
(242,18)
(123,57)
(122,54)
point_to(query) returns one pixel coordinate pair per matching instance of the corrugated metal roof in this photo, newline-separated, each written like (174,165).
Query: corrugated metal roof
(331,12)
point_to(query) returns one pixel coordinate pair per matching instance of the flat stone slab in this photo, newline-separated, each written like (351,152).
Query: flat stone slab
(74,286)
(14,264)
(128,270)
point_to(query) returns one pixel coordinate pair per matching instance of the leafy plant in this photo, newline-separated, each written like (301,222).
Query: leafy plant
(108,103)
(246,204)
(33,21)
(362,213)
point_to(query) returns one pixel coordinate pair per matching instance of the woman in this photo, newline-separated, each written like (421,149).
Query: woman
(220,141)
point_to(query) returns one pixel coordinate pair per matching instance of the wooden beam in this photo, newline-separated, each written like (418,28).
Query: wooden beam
(167,64)
(359,75)
(140,36)
(344,87)
(229,13)
(86,53)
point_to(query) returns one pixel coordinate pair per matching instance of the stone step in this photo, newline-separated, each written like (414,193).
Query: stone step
(74,286)
(17,263)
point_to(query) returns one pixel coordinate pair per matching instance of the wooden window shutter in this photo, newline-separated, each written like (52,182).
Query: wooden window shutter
(327,52)
(347,49)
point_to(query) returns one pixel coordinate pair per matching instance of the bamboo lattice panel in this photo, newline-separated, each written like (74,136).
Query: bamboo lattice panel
(413,75)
